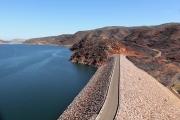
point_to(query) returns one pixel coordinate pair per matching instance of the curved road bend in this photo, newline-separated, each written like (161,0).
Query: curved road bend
(109,109)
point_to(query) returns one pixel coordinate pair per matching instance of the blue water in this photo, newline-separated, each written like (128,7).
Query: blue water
(38,82)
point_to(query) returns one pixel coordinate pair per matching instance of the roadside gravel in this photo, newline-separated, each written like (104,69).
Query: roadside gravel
(142,97)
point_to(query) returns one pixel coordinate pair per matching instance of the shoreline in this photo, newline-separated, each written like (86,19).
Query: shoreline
(88,103)
(68,46)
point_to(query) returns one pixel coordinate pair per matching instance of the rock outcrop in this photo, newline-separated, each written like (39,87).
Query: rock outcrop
(93,50)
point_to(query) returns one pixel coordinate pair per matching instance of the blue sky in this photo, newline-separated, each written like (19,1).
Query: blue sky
(38,18)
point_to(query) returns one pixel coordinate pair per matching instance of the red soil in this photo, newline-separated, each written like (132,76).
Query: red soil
(123,50)
(160,61)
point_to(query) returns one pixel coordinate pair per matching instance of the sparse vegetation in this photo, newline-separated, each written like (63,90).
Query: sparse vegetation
(176,87)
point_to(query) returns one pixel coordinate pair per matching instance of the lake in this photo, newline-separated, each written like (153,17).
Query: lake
(37,82)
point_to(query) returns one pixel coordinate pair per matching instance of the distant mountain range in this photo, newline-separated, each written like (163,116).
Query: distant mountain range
(2,42)
(16,41)
(12,41)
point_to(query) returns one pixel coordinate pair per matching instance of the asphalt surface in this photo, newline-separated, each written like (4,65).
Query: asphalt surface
(110,107)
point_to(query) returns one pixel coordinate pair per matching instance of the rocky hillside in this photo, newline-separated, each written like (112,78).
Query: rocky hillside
(71,39)
(52,40)
(164,39)
(155,49)
(2,42)
(96,44)
(16,41)
(92,50)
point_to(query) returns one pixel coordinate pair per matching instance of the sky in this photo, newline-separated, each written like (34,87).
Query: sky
(26,19)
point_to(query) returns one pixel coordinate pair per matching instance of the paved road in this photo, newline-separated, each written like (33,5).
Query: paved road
(111,104)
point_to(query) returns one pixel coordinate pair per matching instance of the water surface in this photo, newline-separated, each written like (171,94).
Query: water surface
(38,82)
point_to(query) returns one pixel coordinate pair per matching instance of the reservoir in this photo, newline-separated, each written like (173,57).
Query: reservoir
(37,82)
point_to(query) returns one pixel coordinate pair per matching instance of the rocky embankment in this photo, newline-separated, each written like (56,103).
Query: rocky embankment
(89,102)
(142,97)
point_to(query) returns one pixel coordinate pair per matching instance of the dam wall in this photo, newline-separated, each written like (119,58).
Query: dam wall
(88,103)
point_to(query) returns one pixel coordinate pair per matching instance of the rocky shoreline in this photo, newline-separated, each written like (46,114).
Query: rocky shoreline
(88,103)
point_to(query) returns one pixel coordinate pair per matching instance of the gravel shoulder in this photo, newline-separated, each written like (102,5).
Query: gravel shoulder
(142,97)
